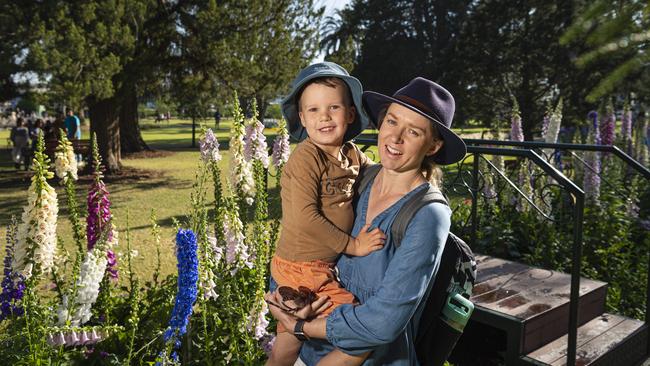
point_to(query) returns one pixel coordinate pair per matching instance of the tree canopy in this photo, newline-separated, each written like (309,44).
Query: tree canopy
(487,53)
(105,54)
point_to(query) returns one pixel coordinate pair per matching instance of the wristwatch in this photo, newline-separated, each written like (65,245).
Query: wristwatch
(299,332)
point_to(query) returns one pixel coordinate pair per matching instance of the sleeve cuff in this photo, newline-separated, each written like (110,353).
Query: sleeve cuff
(330,332)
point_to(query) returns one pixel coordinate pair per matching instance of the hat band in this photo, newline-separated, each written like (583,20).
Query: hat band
(417,104)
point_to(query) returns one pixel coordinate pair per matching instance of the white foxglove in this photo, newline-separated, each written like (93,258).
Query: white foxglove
(64,160)
(36,236)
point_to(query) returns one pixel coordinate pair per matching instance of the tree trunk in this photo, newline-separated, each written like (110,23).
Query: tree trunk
(104,118)
(130,135)
(193,131)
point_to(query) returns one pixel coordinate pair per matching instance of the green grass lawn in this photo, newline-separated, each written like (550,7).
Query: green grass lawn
(161,182)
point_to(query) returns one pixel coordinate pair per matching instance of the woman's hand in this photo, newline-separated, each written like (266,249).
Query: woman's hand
(287,316)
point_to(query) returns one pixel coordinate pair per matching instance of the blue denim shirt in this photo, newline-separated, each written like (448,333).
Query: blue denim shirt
(390,284)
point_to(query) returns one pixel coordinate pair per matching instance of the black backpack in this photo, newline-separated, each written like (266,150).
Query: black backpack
(457,274)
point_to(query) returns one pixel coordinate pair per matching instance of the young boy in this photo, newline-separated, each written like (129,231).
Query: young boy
(324,108)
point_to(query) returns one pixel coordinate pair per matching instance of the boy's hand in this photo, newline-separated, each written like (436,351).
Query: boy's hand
(366,242)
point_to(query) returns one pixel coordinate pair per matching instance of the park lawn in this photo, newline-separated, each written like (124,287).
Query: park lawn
(159,182)
(162,184)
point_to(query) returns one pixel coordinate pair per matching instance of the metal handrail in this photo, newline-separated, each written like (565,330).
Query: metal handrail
(645,172)
(578,196)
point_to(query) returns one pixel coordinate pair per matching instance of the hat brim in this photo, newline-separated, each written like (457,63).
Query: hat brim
(290,107)
(453,150)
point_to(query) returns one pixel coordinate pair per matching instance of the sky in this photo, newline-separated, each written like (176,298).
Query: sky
(330,7)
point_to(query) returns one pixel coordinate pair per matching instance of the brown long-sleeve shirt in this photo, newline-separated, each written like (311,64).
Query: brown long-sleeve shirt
(317,192)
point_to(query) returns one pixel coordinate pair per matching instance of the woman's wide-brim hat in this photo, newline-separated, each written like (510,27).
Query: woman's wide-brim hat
(320,70)
(429,100)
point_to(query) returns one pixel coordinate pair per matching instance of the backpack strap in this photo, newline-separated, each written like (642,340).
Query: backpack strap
(411,207)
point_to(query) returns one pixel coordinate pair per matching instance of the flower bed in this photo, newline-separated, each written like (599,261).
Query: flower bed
(69,308)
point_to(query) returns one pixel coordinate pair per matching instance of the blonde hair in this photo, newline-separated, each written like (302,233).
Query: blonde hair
(429,168)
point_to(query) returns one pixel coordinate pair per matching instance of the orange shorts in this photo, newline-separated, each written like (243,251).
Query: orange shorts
(315,275)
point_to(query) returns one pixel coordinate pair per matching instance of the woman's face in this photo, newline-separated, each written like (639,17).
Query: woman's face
(405,139)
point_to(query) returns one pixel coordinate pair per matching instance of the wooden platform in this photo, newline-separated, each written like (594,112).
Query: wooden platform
(531,305)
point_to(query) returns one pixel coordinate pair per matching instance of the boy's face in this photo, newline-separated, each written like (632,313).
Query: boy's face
(325,115)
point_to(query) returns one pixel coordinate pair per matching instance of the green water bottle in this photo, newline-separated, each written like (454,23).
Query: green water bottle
(457,311)
(447,329)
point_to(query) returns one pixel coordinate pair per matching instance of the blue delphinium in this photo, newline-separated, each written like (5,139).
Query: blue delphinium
(13,285)
(188,276)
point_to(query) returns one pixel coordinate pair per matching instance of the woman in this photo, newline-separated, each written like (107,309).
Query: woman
(414,138)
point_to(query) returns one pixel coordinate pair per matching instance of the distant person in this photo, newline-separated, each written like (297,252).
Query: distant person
(36,130)
(73,129)
(19,136)
(217,118)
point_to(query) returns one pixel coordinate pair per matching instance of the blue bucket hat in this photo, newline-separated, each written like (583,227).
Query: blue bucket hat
(430,100)
(320,70)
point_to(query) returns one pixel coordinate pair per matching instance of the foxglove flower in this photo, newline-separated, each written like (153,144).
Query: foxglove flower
(98,221)
(236,249)
(241,170)
(591,183)
(64,160)
(281,147)
(217,251)
(257,321)
(99,212)
(111,265)
(516,132)
(37,231)
(255,147)
(12,284)
(626,125)
(642,143)
(75,337)
(90,277)
(608,129)
(555,121)
(209,147)
(188,276)
(267,344)
(593,117)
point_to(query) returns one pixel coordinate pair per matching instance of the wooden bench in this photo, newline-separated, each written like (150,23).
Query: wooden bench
(79,146)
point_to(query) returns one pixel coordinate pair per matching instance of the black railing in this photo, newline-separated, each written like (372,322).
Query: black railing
(578,212)
(645,172)
(628,160)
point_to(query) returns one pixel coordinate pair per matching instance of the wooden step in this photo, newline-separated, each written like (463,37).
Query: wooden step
(532,300)
(606,340)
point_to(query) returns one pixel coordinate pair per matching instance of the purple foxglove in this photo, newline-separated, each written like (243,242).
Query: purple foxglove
(593,117)
(516,132)
(608,129)
(255,147)
(209,147)
(257,321)
(591,183)
(281,149)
